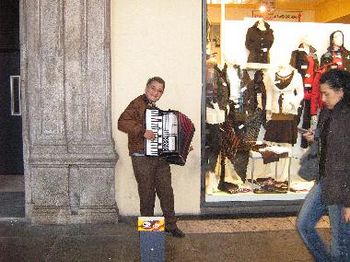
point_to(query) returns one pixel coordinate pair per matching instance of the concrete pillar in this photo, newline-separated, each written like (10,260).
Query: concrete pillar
(69,153)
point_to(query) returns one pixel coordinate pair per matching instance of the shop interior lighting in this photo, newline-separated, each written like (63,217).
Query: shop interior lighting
(262,8)
(267,6)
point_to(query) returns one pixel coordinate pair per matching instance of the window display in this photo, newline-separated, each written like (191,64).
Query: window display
(264,91)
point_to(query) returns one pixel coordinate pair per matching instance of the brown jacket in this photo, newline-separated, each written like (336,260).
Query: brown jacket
(132,122)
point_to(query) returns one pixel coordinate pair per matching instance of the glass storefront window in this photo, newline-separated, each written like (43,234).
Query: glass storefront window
(260,92)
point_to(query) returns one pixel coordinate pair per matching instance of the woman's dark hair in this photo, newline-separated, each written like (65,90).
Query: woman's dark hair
(157,79)
(338,79)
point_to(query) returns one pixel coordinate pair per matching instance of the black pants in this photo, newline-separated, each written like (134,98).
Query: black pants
(306,121)
(212,146)
(153,177)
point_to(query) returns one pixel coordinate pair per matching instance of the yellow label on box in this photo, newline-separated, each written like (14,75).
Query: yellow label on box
(150,224)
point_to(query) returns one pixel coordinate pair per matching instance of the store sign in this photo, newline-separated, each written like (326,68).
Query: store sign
(279,15)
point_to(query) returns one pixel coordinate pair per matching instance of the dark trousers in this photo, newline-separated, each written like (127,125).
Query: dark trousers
(153,177)
(212,146)
(306,121)
(252,129)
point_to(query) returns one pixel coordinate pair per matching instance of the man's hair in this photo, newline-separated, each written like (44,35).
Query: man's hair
(338,79)
(157,79)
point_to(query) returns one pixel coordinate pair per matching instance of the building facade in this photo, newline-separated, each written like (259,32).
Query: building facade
(82,62)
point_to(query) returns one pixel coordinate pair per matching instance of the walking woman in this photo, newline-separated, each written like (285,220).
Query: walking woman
(331,192)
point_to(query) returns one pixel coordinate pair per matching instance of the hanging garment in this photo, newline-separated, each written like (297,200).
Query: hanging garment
(315,100)
(246,121)
(259,42)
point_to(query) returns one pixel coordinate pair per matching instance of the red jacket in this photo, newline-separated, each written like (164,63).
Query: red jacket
(316,100)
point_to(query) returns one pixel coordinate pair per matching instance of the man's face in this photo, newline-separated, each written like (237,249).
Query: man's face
(154,91)
(330,96)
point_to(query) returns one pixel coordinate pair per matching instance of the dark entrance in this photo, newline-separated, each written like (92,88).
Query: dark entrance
(11,143)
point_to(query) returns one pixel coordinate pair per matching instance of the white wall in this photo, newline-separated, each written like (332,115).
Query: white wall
(157,37)
(287,37)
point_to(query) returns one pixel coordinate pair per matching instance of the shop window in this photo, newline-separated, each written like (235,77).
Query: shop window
(260,76)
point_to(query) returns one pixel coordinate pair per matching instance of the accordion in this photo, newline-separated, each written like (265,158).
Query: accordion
(174,132)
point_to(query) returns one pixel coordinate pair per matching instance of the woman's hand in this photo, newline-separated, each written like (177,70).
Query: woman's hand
(346,214)
(309,135)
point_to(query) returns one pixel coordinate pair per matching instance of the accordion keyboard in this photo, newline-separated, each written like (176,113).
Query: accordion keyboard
(154,123)
(165,128)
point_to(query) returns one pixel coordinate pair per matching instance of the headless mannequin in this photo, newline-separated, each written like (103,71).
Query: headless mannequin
(259,39)
(306,44)
(261,25)
(305,60)
(284,70)
(214,117)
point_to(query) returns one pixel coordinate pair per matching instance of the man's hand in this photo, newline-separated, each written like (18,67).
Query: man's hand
(346,214)
(149,135)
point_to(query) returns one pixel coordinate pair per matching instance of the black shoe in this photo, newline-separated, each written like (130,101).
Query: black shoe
(176,232)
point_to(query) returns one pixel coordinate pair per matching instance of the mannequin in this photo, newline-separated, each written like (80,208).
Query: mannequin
(217,94)
(247,119)
(305,60)
(261,24)
(259,39)
(284,92)
(234,74)
(336,57)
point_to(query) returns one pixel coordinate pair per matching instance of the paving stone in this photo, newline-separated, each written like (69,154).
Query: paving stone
(95,248)
(18,249)
(246,239)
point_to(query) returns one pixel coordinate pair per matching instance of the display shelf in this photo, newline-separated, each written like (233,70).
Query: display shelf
(242,197)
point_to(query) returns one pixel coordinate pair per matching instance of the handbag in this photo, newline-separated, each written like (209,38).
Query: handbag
(309,163)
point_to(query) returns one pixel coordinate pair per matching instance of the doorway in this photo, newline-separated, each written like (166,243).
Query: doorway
(11,142)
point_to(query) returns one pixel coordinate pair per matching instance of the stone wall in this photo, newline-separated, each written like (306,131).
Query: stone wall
(69,152)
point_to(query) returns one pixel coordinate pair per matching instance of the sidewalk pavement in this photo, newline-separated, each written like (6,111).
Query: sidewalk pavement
(225,239)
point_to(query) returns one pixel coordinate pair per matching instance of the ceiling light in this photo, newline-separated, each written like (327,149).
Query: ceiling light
(262,8)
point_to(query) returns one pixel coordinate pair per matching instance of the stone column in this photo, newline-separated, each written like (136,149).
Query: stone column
(69,153)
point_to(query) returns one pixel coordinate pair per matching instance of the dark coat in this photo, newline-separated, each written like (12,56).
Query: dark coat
(335,183)
(256,40)
(218,87)
(254,87)
(299,60)
(327,58)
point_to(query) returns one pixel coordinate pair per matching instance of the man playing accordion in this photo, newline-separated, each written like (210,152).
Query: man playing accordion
(152,173)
